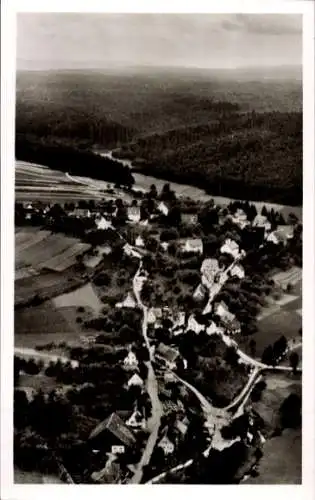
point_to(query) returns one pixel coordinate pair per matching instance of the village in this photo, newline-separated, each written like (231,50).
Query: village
(191,260)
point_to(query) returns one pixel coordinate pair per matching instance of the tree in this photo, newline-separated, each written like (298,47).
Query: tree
(294,360)
(290,411)
(268,356)
(252,347)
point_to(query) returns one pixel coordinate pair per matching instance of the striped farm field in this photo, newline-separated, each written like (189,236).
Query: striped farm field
(44,263)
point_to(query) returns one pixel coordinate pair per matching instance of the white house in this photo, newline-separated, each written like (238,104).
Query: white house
(136,420)
(193,245)
(139,241)
(208,308)
(118,449)
(230,247)
(238,271)
(128,302)
(163,208)
(199,293)
(166,445)
(134,214)
(130,361)
(179,319)
(223,312)
(240,218)
(194,325)
(272,237)
(103,224)
(262,221)
(151,316)
(210,267)
(135,380)
(165,245)
(213,328)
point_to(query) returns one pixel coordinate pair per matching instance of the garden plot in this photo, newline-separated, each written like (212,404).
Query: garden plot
(81,297)
(67,258)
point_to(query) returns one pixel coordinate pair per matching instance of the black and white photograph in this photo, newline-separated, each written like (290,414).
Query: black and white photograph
(158,196)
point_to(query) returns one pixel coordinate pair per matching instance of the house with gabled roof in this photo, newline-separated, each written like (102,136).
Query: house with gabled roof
(135,380)
(114,430)
(193,325)
(103,224)
(134,214)
(163,208)
(167,446)
(200,292)
(238,271)
(192,245)
(130,362)
(262,221)
(128,302)
(230,247)
(210,268)
(228,319)
(139,242)
(167,353)
(136,421)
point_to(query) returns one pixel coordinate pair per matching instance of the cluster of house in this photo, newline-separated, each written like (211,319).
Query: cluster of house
(282,234)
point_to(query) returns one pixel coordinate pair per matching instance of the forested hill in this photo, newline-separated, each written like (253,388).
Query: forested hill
(256,156)
(66,157)
(234,135)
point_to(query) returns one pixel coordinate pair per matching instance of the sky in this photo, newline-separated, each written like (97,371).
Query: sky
(80,40)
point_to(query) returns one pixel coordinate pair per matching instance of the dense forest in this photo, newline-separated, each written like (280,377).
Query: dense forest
(69,158)
(221,133)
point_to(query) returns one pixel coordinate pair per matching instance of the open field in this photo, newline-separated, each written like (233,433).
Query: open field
(282,460)
(42,249)
(33,477)
(82,297)
(43,263)
(39,183)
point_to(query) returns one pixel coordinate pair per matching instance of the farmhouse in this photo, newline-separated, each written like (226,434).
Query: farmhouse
(210,268)
(129,302)
(228,319)
(262,221)
(103,224)
(81,213)
(192,245)
(134,214)
(273,238)
(163,208)
(230,247)
(238,271)
(135,380)
(114,432)
(199,293)
(240,218)
(189,218)
(136,420)
(110,474)
(168,354)
(284,233)
(130,361)
(139,241)
(194,325)
(213,328)
(208,308)
(166,445)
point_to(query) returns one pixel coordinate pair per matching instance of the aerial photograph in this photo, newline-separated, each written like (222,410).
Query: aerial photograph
(158,249)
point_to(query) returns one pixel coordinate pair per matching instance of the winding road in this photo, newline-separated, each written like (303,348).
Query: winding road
(152,386)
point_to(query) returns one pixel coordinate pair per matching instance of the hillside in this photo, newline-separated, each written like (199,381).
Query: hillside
(224,131)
